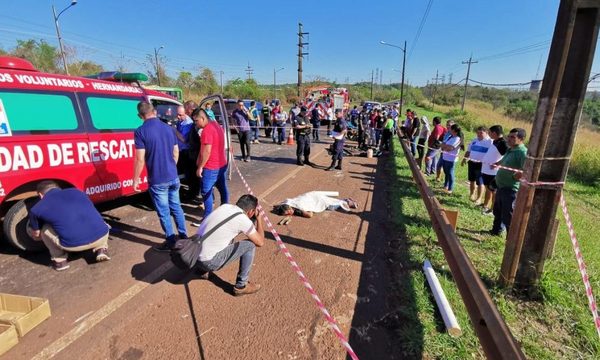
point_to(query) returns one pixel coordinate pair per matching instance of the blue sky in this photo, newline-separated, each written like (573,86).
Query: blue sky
(344,36)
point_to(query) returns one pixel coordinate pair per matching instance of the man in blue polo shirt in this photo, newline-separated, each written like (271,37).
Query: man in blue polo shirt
(67,221)
(156,148)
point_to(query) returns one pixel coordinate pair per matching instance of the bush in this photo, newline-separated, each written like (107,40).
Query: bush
(585,164)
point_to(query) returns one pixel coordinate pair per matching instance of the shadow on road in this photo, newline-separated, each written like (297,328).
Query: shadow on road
(386,314)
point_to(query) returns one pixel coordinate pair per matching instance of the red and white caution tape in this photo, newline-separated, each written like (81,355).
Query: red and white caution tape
(332,323)
(578,255)
(581,263)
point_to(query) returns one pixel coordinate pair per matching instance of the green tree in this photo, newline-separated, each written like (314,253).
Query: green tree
(205,82)
(244,89)
(82,68)
(43,56)
(151,69)
(185,81)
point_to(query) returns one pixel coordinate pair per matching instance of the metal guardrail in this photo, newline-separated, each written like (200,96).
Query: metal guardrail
(494,335)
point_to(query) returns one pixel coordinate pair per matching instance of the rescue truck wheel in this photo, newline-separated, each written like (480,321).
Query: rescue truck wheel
(15,227)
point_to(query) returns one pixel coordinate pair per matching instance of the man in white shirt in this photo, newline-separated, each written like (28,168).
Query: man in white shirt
(478,147)
(219,249)
(488,173)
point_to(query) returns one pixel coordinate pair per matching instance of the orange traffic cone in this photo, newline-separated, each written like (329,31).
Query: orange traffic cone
(291,138)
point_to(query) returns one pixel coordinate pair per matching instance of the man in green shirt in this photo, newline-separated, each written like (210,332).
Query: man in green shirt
(508,181)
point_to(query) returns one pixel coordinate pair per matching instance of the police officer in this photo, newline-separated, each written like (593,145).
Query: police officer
(339,133)
(302,127)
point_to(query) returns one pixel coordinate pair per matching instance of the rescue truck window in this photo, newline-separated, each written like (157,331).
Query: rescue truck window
(110,114)
(50,113)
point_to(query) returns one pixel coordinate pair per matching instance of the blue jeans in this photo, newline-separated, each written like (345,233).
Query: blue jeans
(503,209)
(281,133)
(448,167)
(243,250)
(413,145)
(377,136)
(253,130)
(431,161)
(210,180)
(166,201)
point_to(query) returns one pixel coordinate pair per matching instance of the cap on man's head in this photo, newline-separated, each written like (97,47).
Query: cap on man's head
(337,111)
(303,108)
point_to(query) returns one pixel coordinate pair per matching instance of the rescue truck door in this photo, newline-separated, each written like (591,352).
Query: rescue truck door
(111,122)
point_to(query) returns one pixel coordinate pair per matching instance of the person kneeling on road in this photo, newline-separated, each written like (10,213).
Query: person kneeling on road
(312,202)
(67,221)
(218,249)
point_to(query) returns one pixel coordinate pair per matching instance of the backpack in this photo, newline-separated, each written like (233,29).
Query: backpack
(185,252)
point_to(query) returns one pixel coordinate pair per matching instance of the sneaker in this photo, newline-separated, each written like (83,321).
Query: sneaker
(60,265)
(245,159)
(102,255)
(338,167)
(164,247)
(248,159)
(250,288)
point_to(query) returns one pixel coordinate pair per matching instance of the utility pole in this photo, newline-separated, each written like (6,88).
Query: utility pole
(301,54)
(380,77)
(402,83)
(249,70)
(462,107)
(559,106)
(450,78)
(62,49)
(275,71)
(371,84)
(436,78)
(157,63)
(221,78)
(403,69)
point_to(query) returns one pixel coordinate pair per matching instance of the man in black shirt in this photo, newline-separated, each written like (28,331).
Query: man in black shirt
(302,128)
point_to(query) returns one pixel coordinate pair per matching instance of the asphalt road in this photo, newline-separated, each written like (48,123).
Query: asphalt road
(138,306)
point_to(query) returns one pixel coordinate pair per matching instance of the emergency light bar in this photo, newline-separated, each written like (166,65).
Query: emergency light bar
(119,76)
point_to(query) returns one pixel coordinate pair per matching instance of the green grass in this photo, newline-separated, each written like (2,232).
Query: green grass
(559,326)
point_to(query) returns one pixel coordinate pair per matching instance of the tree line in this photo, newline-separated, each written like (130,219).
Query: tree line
(517,104)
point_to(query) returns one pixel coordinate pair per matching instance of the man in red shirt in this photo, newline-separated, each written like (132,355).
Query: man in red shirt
(433,146)
(212,161)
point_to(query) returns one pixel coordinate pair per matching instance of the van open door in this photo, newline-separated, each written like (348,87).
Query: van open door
(220,111)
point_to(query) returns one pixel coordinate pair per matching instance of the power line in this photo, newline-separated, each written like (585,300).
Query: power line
(418,35)
(508,85)
(518,51)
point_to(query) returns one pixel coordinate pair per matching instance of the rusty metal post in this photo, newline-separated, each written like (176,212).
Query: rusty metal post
(494,335)
(551,143)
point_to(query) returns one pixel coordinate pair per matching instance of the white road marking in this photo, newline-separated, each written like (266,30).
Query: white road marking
(74,334)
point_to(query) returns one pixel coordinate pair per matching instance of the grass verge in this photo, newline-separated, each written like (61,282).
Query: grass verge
(559,326)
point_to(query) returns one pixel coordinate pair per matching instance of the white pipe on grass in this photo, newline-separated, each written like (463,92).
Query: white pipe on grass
(441,300)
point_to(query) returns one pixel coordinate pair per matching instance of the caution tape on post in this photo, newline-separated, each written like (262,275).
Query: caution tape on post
(330,320)
(576,248)
(581,264)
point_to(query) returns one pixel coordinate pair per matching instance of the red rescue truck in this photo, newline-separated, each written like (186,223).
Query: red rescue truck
(73,130)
